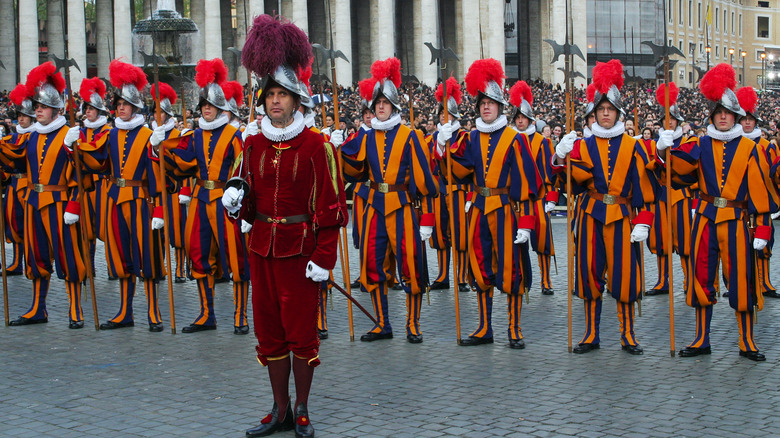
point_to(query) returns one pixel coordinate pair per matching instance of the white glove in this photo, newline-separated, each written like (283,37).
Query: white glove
(775,215)
(445,134)
(157,223)
(565,145)
(640,233)
(2,131)
(316,273)
(158,135)
(549,206)
(523,235)
(184,199)
(245,226)
(468,206)
(693,213)
(70,218)
(426,231)
(637,137)
(759,244)
(665,140)
(231,199)
(73,134)
(337,138)
(250,130)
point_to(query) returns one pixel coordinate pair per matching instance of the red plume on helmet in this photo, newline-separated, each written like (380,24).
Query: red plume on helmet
(590,92)
(234,90)
(519,91)
(453,90)
(304,75)
(273,42)
(45,72)
(19,94)
(166,92)
(366,87)
(660,94)
(122,73)
(481,72)
(607,74)
(90,86)
(210,70)
(717,80)
(748,99)
(388,69)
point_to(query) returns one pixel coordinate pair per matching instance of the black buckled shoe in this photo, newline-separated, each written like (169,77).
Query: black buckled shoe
(440,285)
(771,294)
(474,340)
(654,292)
(463,287)
(323,334)
(517,344)
(155,327)
(27,321)
(111,325)
(397,286)
(548,291)
(585,348)
(753,355)
(271,423)
(725,295)
(633,349)
(371,337)
(355,284)
(303,427)
(695,351)
(192,328)
(414,339)
(75,325)
(180,280)
(241,330)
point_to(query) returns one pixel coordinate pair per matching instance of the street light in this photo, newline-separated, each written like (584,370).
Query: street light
(731,57)
(708,49)
(743,54)
(763,70)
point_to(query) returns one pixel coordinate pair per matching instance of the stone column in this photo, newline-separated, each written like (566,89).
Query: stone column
(77,41)
(55,40)
(198,15)
(226,28)
(383,29)
(105,36)
(123,41)
(8,49)
(426,29)
(495,44)
(212,30)
(581,40)
(467,20)
(297,12)
(341,26)
(28,37)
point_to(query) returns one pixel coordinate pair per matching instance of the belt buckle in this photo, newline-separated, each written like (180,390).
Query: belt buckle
(38,188)
(208,184)
(19,175)
(383,187)
(609,199)
(121,182)
(484,191)
(720,202)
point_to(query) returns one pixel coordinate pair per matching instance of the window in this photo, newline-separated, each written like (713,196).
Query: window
(690,13)
(717,52)
(679,46)
(692,49)
(732,22)
(681,74)
(725,21)
(701,48)
(669,14)
(762,27)
(740,24)
(680,10)
(758,55)
(698,12)
(717,22)
(763,4)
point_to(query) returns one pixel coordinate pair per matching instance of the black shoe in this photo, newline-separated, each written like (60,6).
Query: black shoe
(397,286)
(155,327)
(241,330)
(654,292)
(371,337)
(27,321)
(111,325)
(303,427)
(179,280)
(13,273)
(323,334)
(548,291)
(633,349)
(771,294)
(584,348)
(725,295)
(753,355)
(440,285)
(474,340)
(517,344)
(271,423)
(75,325)
(695,351)
(192,328)
(355,284)
(221,280)
(463,287)
(414,339)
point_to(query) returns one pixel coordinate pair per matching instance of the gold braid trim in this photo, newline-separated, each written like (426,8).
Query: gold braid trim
(262,163)
(332,167)
(285,356)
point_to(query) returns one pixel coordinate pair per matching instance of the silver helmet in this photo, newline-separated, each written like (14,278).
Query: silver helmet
(729,101)
(524,109)
(130,94)
(95,101)
(285,77)
(493,91)
(233,107)
(588,110)
(452,108)
(46,94)
(612,96)
(166,107)
(26,108)
(386,88)
(212,93)
(308,103)
(674,111)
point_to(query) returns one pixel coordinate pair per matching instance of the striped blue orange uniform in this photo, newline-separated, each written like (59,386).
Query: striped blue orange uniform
(735,183)
(95,198)
(506,182)
(15,192)
(51,190)
(766,286)
(395,164)
(177,213)
(215,244)
(542,152)
(133,249)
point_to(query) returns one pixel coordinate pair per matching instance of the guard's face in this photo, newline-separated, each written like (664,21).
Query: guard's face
(124,111)
(589,120)
(606,115)
(280,105)
(522,122)
(673,123)
(24,121)
(45,114)
(383,108)
(723,119)
(91,113)
(367,117)
(209,112)
(488,110)
(748,124)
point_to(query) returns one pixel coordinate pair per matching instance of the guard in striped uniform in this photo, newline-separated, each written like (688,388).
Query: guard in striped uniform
(358,202)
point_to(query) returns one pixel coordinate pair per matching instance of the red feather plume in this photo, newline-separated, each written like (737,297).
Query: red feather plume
(366,87)
(90,86)
(481,72)
(272,42)
(519,91)
(122,73)
(660,94)
(19,94)
(715,81)
(747,99)
(210,70)
(234,90)
(304,75)
(166,92)
(45,72)
(453,90)
(389,69)
(607,74)
(590,92)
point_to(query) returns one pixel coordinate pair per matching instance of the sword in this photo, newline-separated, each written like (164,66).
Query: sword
(353,300)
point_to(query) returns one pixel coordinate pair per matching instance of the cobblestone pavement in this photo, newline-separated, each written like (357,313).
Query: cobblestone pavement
(130,382)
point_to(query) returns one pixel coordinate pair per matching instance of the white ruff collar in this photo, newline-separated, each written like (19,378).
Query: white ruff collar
(455,126)
(754,135)
(614,131)
(290,131)
(725,136)
(20,130)
(168,125)
(308,119)
(365,127)
(586,132)
(97,123)
(219,122)
(677,133)
(388,124)
(56,124)
(235,123)
(530,131)
(133,123)
(489,128)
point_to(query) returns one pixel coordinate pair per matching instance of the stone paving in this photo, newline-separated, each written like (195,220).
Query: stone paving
(130,382)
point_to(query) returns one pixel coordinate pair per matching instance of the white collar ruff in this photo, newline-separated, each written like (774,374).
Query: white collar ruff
(219,122)
(530,131)
(20,130)
(754,135)
(614,131)
(365,127)
(586,132)
(100,121)
(56,124)
(489,128)
(725,136)
(133,123)
(677,133)
(168,125)
(290,131)
(388,124)
(308,119)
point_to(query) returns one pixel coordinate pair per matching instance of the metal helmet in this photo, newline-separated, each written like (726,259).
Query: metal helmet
(130,94)
(233,107)
(307,102)
(612,96)
(166,107)
(674,111)
(285,77)
(492,91)
(387,89)
(46,94)
(95,101)
(588,110)
(728,101)
(212,93)
(452,108)
(524,109)
(26,108)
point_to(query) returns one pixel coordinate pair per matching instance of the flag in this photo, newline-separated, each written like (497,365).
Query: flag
(709,13)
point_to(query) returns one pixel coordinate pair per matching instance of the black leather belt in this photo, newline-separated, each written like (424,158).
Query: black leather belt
(298,218)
